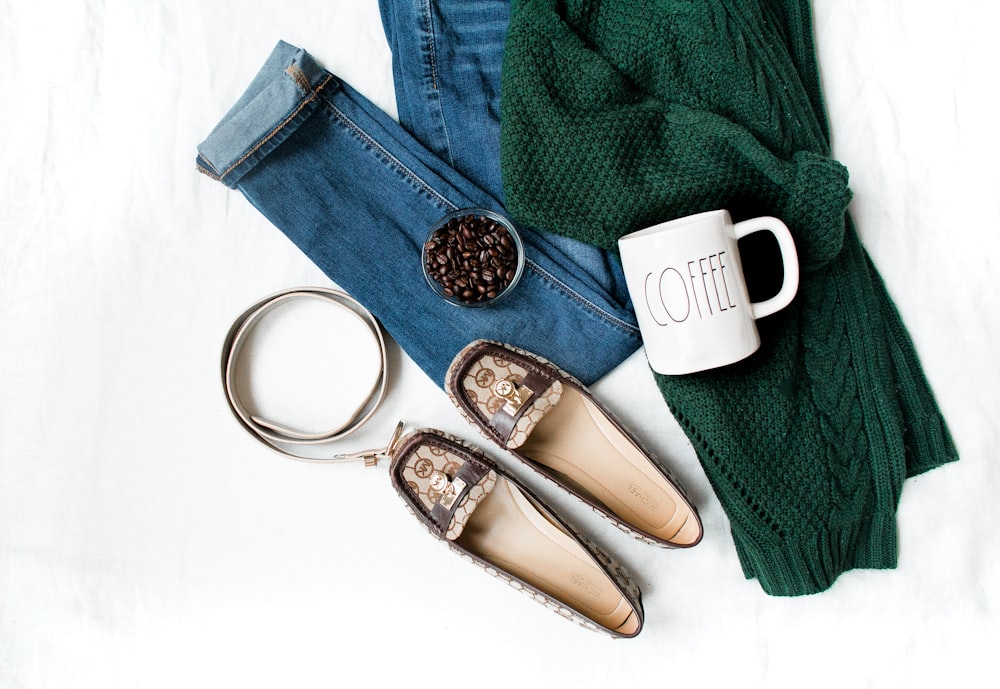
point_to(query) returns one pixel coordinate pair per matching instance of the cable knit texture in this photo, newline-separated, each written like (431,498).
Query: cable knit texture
(620,114)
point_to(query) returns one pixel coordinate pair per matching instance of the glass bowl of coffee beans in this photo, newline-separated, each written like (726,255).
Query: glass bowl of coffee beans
(473,257)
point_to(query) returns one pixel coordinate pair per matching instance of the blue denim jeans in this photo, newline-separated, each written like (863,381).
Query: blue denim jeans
(358,192)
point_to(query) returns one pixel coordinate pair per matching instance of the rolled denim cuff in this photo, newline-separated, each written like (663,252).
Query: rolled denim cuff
(279,99)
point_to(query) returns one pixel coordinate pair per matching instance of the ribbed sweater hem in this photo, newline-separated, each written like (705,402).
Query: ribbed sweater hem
(811,563)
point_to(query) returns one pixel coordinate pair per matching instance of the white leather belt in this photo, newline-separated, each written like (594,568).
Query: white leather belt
(281,438)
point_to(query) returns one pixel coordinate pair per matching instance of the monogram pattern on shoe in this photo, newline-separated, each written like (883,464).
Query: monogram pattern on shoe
(428,471)
(479,385)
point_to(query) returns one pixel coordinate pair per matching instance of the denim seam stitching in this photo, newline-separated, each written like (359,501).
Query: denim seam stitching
(213,173)
(435,97)
(391,159)
(431,52)
(300,78)
(586,303)
(312,96)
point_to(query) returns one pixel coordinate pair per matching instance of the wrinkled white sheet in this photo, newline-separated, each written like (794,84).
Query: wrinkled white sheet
(147,541)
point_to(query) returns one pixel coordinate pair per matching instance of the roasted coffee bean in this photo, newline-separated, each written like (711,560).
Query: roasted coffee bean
(472,257)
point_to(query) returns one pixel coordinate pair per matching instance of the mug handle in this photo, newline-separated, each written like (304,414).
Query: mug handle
(789,257)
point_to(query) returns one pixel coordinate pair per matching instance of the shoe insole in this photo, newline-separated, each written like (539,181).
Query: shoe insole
(508,531)
(576,440)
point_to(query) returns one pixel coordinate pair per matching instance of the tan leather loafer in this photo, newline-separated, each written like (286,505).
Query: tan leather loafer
(497,523)
(552,423)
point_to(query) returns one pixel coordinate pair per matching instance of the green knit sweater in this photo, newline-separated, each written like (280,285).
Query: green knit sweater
(620,114)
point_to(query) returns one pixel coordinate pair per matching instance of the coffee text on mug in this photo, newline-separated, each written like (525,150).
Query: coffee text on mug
(668,296)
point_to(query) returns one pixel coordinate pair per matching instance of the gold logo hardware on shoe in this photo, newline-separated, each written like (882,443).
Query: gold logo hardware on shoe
(450,490)
(439,481)
(514,399)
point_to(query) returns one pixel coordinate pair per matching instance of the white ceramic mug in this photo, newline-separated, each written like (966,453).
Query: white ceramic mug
(689,294)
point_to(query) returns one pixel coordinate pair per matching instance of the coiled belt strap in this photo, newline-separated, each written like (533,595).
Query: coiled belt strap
(274,435)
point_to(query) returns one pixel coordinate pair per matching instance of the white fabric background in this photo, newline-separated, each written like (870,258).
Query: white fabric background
(147,541)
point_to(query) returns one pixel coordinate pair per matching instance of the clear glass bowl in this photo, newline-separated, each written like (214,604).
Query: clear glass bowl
(469,273)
